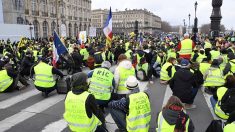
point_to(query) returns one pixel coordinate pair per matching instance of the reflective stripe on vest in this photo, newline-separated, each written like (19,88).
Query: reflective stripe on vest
(163,126)
(75,113)
(145,67)
(214,78)
(43,75)
(139,116)
(220,93)
(124,74)
(186,47)
(5,80)
(101,83)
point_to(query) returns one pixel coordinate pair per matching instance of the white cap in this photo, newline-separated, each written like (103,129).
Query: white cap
(106,64)
(131,83)
(186,35)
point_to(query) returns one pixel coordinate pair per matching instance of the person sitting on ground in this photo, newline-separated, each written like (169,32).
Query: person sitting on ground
(184,85)
(168,70)
(81,111)
(219,100)
(127,111)
(173,119)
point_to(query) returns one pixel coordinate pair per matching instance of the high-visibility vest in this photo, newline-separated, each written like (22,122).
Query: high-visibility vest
(203,67)
(101,84)
(229,127)
(5,80)
(207,45)
(35,54)
(218,111)
(164,74)
(124,74)
(144,66)
(200,57)
(85,53)
(231,49)
(76,116)
(127,45)
(171,54)
(43,75)
(128,54)
(186,47)
(214,78)
(214,54)
(232,63)
(139,58)
(139,116)
(225,61)
(163,126)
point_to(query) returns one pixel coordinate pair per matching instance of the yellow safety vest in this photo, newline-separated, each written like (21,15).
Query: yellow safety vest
(200,58)
(127,45)
(124,74)
(164,74)
(145,67)
(218,111)
(139,116)
(43,75)
(76,116)
(232,63)
(128,54)
(230,127)
(225,61)
(101,84)
(214,54)
(214,78)
(139,58)
(85,53)
(207,45)
(171,54)
(186,47)
(5,80)
(35,54)
(163,126)
(203,67)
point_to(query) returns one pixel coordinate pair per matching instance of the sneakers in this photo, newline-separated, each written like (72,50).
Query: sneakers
(190,106)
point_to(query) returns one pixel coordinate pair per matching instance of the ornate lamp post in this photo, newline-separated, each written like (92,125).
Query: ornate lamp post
(216,18)
(189,23)
(195,29)
(184,28)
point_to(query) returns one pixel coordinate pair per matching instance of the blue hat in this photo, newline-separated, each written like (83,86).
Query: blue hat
(184,62)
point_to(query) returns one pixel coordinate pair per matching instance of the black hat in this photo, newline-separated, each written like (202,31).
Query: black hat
(78,79)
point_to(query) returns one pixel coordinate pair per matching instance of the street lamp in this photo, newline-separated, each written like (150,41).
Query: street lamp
(195,29)
(184,29)
(189,23)
(30,28)
(216,18)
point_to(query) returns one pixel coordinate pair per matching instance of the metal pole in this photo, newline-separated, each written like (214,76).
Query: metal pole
(57,17)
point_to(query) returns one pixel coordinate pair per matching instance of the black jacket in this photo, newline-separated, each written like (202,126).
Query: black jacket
(182,84)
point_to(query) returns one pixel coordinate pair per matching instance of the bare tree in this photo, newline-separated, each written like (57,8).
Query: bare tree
(166,27)
(205,28)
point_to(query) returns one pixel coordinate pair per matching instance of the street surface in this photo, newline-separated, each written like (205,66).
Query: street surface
(28,111)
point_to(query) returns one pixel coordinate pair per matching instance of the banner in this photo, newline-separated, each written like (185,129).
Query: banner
(1,12)
(83,36)
(63,30)
(92,32)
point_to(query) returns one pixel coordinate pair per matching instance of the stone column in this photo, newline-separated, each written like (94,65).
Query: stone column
(216,18)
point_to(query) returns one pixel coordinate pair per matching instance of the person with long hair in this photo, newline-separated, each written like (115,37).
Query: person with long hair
(172,118)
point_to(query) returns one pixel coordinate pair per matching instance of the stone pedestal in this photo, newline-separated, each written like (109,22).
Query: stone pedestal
(216,18)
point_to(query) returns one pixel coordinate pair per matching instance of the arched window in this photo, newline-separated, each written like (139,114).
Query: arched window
(18,4)
(80,27)
(36,28)
(70,29)
(34,6)
(85,27)
(53,27)
(44,2)
(20,20)
(75,30)
(45,29)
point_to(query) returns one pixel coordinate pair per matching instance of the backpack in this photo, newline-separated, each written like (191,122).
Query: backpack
(98,58)
(215,126)
(141,74)
(228,101)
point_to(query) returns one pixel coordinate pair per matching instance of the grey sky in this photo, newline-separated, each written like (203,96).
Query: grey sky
(174,11)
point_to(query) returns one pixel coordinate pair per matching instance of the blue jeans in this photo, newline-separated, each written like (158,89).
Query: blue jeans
(120,119)
(213,102)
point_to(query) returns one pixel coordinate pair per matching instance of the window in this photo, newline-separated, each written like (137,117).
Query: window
(70,29)
(75,29)
(20,20)
(45,29)
(18,5)
(53,27)
(33,5)
(44,5)
(36,29)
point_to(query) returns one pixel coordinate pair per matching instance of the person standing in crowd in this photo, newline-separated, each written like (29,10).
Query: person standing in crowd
(173,119)
(183,85)
(81,111)
(213,78)
(44,80)
(216,99)
(101,84)
(98,57)
(132,113)
(77,60)
(122,72)
(167,70)
(84,52)
(185,47)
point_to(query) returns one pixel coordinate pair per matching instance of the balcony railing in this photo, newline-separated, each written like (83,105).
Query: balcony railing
(35,13)
(44,14)
(53,15)
(70,17)
(75,18)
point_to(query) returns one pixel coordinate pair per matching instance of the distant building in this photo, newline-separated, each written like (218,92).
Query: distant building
(124,21)
(45,14)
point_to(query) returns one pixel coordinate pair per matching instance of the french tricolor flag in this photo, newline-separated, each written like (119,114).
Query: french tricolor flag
(108,27)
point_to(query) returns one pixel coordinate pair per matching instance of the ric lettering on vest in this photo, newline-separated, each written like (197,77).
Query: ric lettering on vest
(103,73)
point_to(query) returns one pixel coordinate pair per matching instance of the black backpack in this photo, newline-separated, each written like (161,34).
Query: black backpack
(228,101)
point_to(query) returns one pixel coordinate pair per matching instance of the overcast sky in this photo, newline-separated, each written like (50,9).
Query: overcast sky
(174,11)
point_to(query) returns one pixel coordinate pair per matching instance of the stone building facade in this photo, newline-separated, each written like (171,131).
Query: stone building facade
(124,21)
(48,15)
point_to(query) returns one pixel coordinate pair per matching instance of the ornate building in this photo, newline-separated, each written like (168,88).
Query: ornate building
(48,15)
(124,21)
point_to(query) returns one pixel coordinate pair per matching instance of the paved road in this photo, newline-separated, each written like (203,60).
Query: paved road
(27,110)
